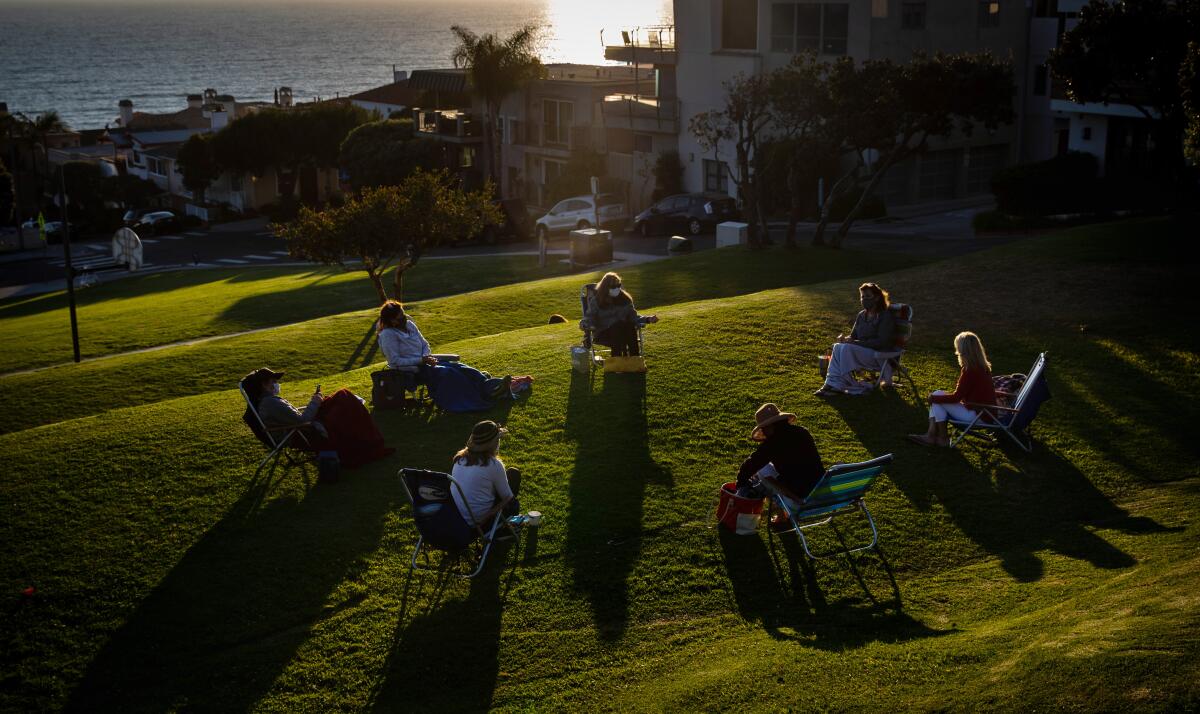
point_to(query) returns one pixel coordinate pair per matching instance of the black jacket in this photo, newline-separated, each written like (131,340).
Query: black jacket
(793,453)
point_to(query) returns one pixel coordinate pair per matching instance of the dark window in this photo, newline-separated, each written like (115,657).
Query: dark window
(912,15)
(739,24)
(989,13)
(1087,133)
(716,176)
(643,143)
(1046,8)
(821,28)
(1039,80)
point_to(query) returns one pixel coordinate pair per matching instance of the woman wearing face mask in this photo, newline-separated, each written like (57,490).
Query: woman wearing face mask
(872,332)
(339,422)
(613,317)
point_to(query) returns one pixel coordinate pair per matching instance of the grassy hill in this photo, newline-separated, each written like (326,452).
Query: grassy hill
(168,578)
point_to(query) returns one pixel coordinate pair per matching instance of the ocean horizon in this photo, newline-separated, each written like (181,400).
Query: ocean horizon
(81,58)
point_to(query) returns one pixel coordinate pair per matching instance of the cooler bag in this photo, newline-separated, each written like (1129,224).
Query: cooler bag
(739,515)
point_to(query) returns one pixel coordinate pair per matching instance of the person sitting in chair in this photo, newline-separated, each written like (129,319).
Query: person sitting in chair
(454,386)
(786,454)
(486,484)
(338,422)
(612,317)
(974,387)
(872,333)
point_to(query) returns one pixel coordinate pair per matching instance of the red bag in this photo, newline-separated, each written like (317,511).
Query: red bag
(739,515)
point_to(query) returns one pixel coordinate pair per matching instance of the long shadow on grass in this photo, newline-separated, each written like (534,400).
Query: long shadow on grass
(1009,503)
(847,600)
(446,658)
(612,466)
(221,626)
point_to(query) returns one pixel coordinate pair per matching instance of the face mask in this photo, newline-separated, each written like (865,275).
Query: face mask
(868,302)
(615,292)
(275,388)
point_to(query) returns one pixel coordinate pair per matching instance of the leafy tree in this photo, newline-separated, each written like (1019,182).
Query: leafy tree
(39,128)
(1134,52)
(496,68)
(389,226)
(742,120)
(890,111)
(198,164)
(668,175)
(384,153)
(84,183)
(129,191)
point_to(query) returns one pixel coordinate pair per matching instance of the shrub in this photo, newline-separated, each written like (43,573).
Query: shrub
(1064,184)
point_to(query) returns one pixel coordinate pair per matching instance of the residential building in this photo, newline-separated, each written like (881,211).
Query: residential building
(389,100)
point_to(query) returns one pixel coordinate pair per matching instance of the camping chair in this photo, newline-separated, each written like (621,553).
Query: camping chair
(440,525)
(1015,420)
(589,335)
(891,370)
(276,438)
(839,491)
(390,387)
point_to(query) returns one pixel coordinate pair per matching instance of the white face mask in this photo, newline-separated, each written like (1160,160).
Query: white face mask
(275,388)
(615,292)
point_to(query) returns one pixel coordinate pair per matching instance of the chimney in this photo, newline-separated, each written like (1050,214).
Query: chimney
(195,101)
(126,107)
(399,75)
(218,117)
(285,97)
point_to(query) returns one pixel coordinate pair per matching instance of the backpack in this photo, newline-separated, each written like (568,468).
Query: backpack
(387,388)
(329,467)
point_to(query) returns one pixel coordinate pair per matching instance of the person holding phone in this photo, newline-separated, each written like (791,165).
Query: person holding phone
(337,422)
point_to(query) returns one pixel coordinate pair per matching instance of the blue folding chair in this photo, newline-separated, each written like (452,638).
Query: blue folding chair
(1015,420)
(589,333)
(839,491)
(442,527)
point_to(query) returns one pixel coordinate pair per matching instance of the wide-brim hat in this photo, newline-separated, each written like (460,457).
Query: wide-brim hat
(766,415)
(485,436)
(261,376)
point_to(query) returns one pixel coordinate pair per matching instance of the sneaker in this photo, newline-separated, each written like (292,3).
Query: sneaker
(504,387)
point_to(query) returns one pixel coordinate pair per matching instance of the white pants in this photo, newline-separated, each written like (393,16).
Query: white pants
(845,359)
(956,411)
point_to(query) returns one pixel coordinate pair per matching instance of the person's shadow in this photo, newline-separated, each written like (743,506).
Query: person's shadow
(612,467)
(210,635)
(427,669)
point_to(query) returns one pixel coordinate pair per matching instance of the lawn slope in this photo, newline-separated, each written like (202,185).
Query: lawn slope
(167,578)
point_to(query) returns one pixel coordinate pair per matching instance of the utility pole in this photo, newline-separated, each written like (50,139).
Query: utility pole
(66,233)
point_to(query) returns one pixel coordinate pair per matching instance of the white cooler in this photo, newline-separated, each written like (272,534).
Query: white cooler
(732,233)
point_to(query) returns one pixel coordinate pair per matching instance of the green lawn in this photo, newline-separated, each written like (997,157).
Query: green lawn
(347,340)
(162,308)
(168,579)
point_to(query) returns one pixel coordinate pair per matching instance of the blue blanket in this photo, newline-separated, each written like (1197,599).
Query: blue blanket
(456,387)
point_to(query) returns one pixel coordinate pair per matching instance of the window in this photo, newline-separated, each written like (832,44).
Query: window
(1039,80)
(1087,133)
(643,143)
(739,24)
(467,160)
(989,13)
(156,166)
(502,130)
(559,116)
(912,15)
(578,205)
(820,28)
(1046,8)
(716,176)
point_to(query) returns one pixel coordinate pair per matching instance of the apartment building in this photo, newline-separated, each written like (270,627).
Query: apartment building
(718,39)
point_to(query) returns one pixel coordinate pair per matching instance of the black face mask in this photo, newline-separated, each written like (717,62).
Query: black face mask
(868,302)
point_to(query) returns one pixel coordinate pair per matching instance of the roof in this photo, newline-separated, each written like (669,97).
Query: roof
(190,118)
(164,151)
(396,93)
(439,80)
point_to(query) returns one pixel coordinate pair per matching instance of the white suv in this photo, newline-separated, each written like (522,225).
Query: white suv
(578,212)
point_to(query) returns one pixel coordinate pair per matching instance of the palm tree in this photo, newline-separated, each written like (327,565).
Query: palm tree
(496,68)
(40,127)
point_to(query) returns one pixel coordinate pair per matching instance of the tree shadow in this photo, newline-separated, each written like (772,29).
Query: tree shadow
(612,467)
(368,345)
(221,626)
(1010,509)
(446,657)
(844,601)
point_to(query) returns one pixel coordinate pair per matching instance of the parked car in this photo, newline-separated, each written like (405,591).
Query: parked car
(579,212)
(133,215)
(690,213)
(157,222)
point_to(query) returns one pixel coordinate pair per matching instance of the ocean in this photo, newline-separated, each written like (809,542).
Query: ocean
(82,57)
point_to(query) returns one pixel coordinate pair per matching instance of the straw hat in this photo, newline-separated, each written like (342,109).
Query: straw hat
(766,415)
(485,436)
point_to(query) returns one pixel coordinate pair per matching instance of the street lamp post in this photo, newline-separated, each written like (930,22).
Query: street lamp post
(66,233)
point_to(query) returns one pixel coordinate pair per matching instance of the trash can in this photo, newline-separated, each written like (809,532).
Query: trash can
(591,246)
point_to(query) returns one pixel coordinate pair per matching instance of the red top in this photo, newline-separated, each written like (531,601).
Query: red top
(974,385)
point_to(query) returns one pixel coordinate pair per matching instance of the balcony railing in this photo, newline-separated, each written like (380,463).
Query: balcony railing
(451,123)
(639,112)
(654,44)
(552,136)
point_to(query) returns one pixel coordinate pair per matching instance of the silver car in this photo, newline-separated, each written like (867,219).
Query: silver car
(579,212)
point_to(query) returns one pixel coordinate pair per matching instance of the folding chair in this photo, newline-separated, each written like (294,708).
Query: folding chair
(390,387)
(1015,420)
(839,491)
(891,370)
(589,342)
(276,438)
(440,525)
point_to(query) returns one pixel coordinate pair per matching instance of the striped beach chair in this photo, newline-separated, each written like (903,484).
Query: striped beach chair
(839,491)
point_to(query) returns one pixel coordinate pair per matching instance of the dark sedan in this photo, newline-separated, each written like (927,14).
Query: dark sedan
(689,213)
